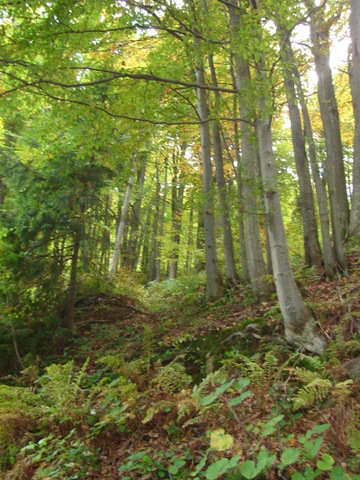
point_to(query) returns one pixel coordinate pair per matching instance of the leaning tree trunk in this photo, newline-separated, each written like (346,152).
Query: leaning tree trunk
(330,118)
(299,324)
(214,284)
(310,234)
(136,216)
(354,228)
(232,278)
(120,230)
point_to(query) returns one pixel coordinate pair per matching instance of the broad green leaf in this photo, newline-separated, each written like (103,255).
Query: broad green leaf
(289,456)
(219,440)
(242,383)
(201,464)
(178,463)
(248,469)
(313,448)
(240,398)
(339,473)
(320,428)
(326,462)
(209,399)
(215,470)
(297,476)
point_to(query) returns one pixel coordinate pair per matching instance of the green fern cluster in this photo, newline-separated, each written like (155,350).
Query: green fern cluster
(172,378)
(317,389)
(250,368)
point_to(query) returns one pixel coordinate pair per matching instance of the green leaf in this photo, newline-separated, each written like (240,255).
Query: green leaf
(209,399)
(242,383)
(248,469)
(215,470)
(289,456)
(320,428)
(326,462)
(240,398)
(297,476)
(201,464)
(313,448)
(178,463)
(264,459)
(339,473)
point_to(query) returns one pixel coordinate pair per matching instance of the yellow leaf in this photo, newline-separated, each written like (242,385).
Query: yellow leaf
(219,440)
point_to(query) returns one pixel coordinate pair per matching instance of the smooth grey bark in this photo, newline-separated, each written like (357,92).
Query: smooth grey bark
(232,278)
(120,230)
(200,241)
(312,250)
(214,284)
(335,172)
(154,240)
(257,268)
(320,186)
(354,70)
(190,240)
(135,217)
(70,300)
(239,180)
(299,324)
(177,196)
(161,228)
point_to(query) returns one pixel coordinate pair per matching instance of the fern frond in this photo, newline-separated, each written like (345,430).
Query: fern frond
(304,375)
(172,378)
(312,393)
(213,379)
(342,388)
(157,408)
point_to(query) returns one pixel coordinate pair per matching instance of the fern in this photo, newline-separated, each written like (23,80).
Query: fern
(304,375)
(211,380)
(312,393)
(172,378)
(159,406)
(317,390)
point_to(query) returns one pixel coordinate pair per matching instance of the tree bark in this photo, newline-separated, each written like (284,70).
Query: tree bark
(214,284)
(354,70)
(161,230)
(312,250)
(120,230)
(320,187)
(330,118)
(299,325)
(177,196)
(232,278)
(256,262)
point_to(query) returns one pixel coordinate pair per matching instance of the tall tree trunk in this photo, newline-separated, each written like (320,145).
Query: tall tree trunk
(177,196)
(354,70)
(200,243)
(190,241)
(120,230)
(161,230)
(239,180)
(154,242)
(320,187)
(310,234)
(70,301)
(257,267)
(330,118)
(135,217)
(232,278)
(214,285)
(299,325)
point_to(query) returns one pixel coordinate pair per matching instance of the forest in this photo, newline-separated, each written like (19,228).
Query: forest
(179,239)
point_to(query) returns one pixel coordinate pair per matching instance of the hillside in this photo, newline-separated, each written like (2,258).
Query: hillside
(166,386)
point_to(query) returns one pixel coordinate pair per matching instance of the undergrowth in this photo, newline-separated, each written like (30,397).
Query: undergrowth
(139,400)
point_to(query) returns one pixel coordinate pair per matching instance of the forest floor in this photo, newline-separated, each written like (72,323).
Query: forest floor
(174,388)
